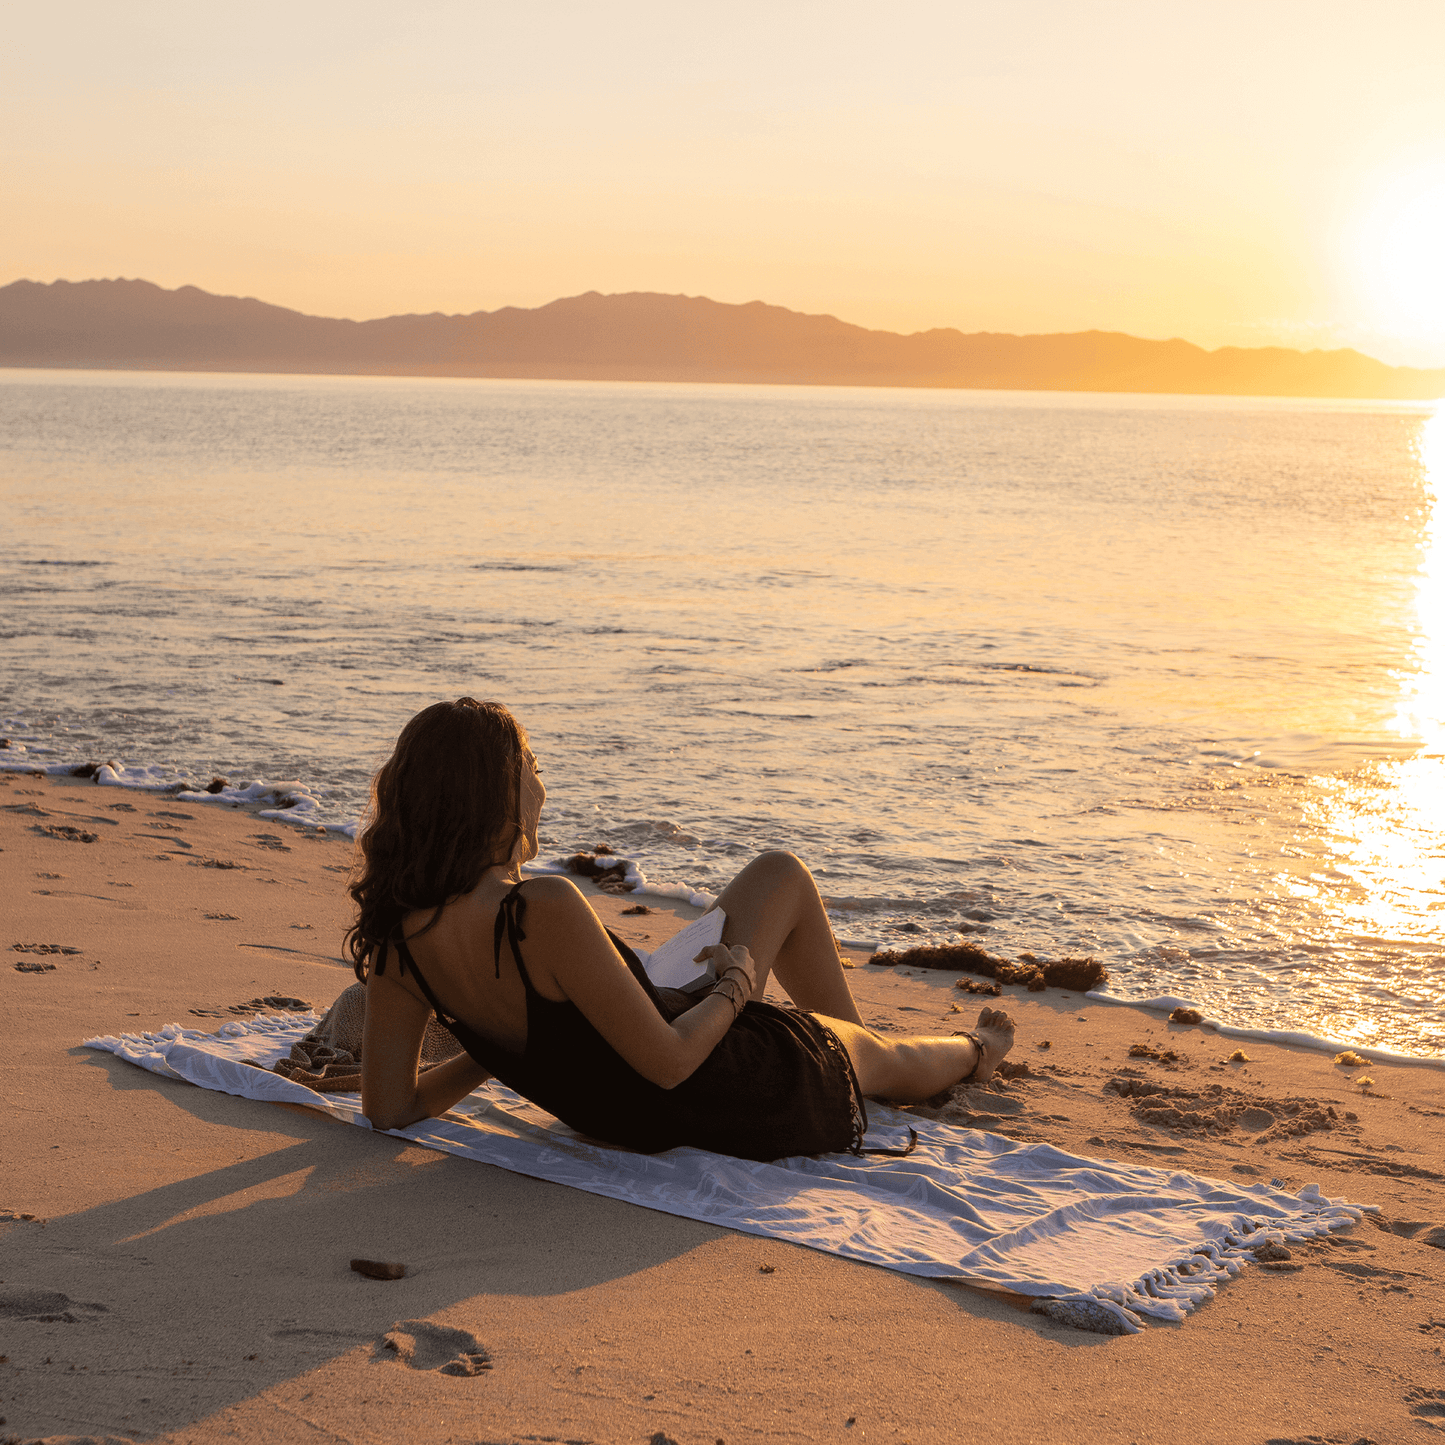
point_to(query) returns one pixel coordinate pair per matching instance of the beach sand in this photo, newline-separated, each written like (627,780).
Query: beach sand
(191,1249)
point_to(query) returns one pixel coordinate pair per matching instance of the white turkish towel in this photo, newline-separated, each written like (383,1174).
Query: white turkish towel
(1112,1241)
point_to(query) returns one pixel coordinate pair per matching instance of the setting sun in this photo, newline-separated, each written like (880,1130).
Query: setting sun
(1402,255)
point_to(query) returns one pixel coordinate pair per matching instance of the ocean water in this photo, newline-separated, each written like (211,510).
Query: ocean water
(1159,679)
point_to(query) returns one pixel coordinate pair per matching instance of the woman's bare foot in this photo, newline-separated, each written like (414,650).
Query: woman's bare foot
(995,1033)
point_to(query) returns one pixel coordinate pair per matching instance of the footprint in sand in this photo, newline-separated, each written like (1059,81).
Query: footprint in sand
(46,1307)
(1428,1408)
(424,1346)
(1350,1439)
(1420,1230)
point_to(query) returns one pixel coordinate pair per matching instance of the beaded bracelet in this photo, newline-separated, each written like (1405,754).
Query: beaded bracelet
(732,990)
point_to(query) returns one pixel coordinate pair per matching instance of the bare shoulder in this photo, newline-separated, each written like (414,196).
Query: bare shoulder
(552,885)
(560,906)
(565,938)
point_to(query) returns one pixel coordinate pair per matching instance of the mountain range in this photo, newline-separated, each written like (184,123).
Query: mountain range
(644,336)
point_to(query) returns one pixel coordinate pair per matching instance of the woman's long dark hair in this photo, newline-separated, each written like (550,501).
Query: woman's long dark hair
(445,807)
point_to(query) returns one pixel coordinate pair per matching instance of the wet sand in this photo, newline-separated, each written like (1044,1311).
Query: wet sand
(185,1275)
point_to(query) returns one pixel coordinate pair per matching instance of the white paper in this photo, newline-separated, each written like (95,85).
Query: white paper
(672,966)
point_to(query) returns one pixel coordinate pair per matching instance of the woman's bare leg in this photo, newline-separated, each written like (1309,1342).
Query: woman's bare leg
(774,911)
(909,1070)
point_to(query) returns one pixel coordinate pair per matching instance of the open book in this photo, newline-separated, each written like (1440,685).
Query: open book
(671,965)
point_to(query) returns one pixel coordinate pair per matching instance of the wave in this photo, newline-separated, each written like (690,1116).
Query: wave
(285,802)
(521,567)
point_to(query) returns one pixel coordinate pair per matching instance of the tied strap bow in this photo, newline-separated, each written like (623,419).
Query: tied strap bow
(509,918)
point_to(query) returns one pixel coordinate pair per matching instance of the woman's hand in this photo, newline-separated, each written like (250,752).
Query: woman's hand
(735,959)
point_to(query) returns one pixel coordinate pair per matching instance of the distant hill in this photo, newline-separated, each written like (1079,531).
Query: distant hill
(644,336)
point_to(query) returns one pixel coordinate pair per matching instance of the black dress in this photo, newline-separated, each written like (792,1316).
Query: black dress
(778,1083)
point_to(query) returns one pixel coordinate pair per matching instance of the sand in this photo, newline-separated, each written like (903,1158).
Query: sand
(186,1273)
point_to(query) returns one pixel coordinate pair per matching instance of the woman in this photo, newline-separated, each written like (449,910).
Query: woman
(540,995)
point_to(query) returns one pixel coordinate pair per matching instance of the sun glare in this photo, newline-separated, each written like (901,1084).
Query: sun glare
(1386,881)
(1402,256)
(1381,888)
(1422,707)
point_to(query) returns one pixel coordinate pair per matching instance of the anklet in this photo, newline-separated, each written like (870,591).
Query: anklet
(978,1051)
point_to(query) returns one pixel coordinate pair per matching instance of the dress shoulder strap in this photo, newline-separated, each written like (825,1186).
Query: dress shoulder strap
(510,913)
(406,962)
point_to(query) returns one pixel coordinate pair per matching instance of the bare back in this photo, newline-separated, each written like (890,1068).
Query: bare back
(459,959)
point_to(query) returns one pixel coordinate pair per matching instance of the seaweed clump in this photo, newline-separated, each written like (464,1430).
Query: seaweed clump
(1148,1051)
(609,877)
(1078,975)
(990,990)
(92,770)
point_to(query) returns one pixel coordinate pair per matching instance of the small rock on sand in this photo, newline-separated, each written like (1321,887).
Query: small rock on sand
(378,1269)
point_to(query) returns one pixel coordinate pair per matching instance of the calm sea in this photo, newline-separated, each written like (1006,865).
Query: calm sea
(1160,679)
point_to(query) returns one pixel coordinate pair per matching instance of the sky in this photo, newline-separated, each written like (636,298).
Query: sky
(1235,174)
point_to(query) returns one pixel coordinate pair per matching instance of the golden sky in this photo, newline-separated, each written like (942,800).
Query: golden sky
(1233,173)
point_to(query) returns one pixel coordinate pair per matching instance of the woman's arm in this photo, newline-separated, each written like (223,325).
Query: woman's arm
(566,941)
(393,1095)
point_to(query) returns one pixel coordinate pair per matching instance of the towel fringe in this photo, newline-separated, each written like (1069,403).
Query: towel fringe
(1172,1291)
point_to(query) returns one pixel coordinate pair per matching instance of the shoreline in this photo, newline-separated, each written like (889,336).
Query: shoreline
(297,807)
(201,1241)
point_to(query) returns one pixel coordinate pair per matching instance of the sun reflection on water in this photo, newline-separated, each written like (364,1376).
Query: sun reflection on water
(1378,887)
(1422,708)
